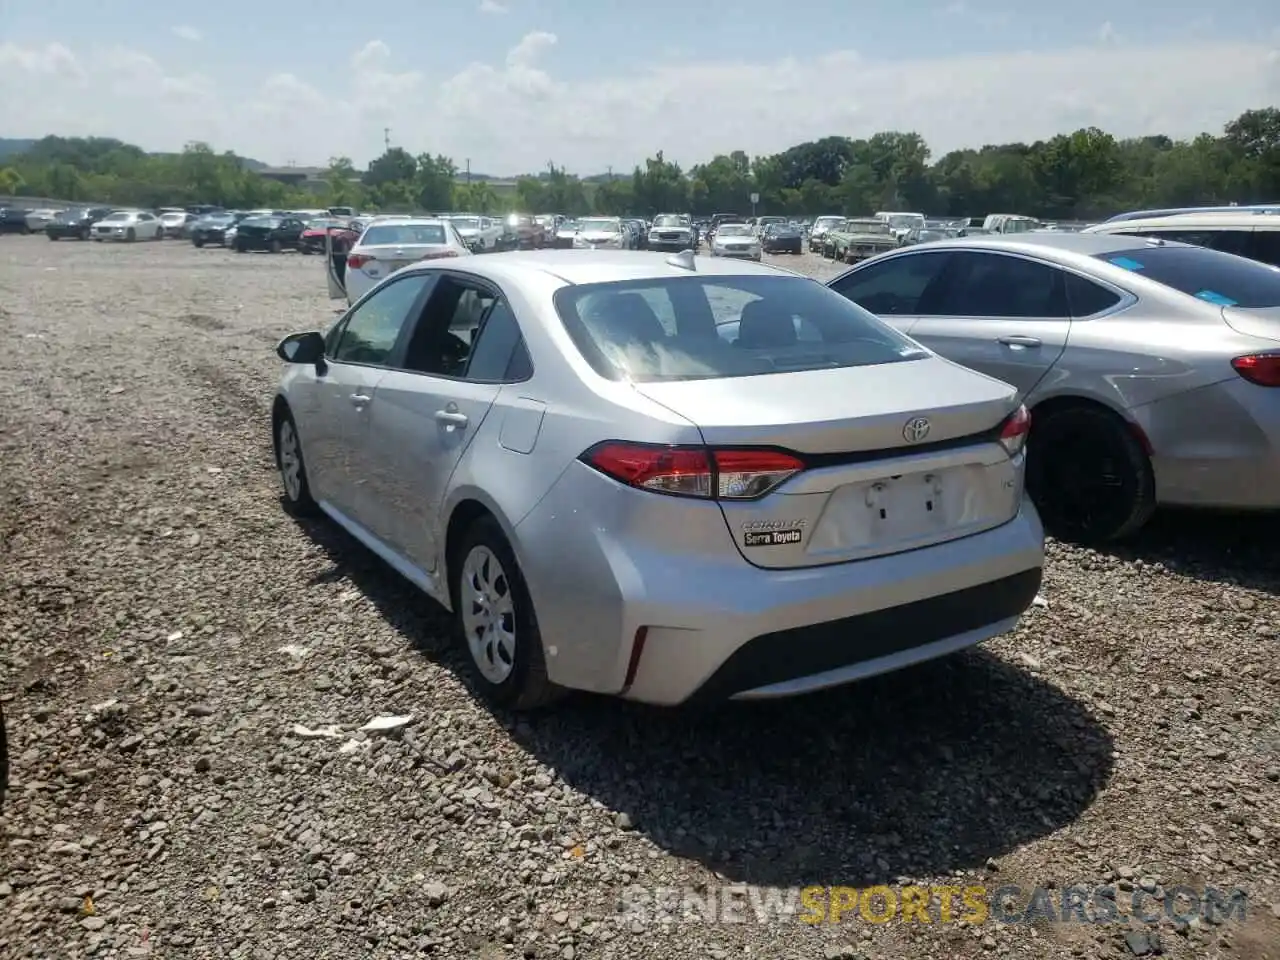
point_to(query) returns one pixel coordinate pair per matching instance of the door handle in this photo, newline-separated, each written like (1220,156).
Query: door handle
(451,417)
(1020,341)
(360,399)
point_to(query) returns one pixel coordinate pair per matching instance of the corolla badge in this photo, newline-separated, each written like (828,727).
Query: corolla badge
(915,430)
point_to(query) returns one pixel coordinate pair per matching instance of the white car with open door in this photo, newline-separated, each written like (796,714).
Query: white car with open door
(384,247)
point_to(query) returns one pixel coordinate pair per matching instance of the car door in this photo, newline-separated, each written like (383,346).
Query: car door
(893,288)
(1001,314)
(335,267)
(430,409)
(335,430)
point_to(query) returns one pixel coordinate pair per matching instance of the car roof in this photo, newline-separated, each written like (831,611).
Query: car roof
(600,266)
(1251,219)
(1048,242)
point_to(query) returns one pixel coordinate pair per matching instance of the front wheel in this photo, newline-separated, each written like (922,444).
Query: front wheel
(496,621)
(1088,475)
(293,469)
(241,247)
(131,235)
(275,246)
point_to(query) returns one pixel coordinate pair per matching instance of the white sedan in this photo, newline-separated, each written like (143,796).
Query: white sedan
(736,240)
(389,244)
(128,225)
(600,233)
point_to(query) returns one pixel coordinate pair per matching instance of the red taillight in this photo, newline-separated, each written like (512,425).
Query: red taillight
(357,260)
(440,255)
(1260,368)
(735,474)
(1013,433)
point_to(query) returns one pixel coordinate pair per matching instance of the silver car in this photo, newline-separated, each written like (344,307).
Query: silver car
(611,494)
(1151,368)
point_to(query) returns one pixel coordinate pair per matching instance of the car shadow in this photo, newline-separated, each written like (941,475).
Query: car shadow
(1235,548)
(918,773)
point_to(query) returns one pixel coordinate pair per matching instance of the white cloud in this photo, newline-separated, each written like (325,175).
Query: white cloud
(188,33)
(1107,33)
(517,113)
(493,6)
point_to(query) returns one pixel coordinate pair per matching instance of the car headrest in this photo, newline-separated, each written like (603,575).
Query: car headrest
(765,324)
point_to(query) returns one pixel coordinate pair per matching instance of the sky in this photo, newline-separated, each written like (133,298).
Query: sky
(510,85)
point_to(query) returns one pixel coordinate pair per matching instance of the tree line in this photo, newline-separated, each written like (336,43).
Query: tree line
(1081,175)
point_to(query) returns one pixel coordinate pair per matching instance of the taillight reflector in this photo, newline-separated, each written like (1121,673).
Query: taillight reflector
(440,255)
(357,260)
(691,471)
(1260,368)
(1013,433)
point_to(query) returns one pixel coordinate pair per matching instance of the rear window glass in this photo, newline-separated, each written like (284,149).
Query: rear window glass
(1218,278)
(404,233)
(699,328)
(262,222)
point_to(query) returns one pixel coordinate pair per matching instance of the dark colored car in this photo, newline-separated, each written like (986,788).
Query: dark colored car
(14,220)
(74,224)
(782,238)
(211,229)
(269,233)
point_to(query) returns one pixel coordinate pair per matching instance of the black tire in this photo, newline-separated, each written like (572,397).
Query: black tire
(53,236)
(84,234)
(131,235)
(241,247)
(1088,475)
(526,687)
(198,242)
(275,246)
(296,497)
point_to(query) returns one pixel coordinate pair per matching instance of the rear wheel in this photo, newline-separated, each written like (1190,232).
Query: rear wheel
(1088,475)
(198,242)
(275,246)
(53,236)
(496,621)
(131,235)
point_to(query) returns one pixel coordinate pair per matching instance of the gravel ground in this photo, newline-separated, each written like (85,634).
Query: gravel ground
(171,639)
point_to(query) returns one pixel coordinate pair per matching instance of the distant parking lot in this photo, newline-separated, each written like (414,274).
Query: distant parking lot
(176,653)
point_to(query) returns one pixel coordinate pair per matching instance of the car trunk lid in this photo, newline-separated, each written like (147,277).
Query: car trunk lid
(380,261)
(1261,322)
(889,466)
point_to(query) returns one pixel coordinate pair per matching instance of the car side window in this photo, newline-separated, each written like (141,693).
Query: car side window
(895,286)
(499,350)
(1086,297)
(447,330)
(998,286)
(1264,246)
(371,330)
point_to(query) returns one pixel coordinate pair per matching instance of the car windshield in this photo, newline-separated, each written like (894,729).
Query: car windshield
(903,221)
(827,221)
(1218,278)
(600,226)
(570,226)
(467,223)
(217,218)
(673,328)
(867,226)
(668,221)
(118,217)
(734,230)
(271,222)
(402,233)
(70,215)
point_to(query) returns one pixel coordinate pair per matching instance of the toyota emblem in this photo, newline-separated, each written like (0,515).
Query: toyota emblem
(915,430)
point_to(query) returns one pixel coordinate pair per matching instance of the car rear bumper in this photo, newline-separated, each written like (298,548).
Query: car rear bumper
(648,607)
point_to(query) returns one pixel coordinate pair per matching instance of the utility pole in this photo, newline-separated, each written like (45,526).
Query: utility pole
(468,171)
(610,171)
(386,138)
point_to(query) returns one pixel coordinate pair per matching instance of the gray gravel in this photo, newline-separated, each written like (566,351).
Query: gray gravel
(185,670)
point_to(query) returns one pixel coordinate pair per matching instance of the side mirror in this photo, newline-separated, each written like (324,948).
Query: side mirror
(301,348)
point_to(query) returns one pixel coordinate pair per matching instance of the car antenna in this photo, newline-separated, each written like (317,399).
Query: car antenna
(684,260)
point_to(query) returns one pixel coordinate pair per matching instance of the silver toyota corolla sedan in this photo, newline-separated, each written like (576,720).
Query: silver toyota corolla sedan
(1151,368)
(662,477)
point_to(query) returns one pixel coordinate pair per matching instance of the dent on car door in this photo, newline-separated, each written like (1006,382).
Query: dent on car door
(364,343)
(894,289)
(1002,315)
(430,410)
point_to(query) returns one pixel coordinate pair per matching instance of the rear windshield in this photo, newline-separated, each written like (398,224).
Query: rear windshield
(668,221)
(401,233)
(700,328)
(1212,276)
(271,222)
(599,226)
